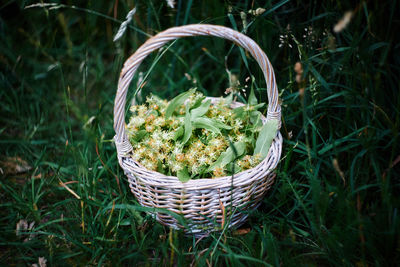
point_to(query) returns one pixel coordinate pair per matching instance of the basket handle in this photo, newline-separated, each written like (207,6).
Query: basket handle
(132,63)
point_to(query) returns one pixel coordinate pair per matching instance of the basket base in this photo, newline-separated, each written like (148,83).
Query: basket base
(204,223)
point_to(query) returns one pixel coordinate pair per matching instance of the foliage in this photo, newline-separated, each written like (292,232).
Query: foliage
(192,138)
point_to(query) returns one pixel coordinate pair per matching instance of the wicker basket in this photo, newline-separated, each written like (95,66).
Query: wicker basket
(205,204)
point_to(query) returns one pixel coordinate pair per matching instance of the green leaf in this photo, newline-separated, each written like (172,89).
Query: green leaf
(255,118)
(229,155)
(183,175)
(252,98)
(233,168)
(264,140)
(258,106)
(201,110)
(139,135)
(228,100)
(179,132)
(221,125)
(205,123)
(198,102)
(234,151)
(210,124)
(160,168)
(188,126)
(177,101)
(239,112)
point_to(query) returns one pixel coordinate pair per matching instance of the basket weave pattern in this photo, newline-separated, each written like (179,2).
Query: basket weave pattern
(202,202)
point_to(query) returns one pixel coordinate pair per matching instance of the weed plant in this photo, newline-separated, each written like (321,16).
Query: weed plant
(65,200)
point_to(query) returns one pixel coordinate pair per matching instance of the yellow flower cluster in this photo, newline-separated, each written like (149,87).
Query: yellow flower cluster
(158,146)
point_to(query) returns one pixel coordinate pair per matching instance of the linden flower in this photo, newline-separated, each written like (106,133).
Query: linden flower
(180,157)
(195,169)
(182,110)
(192,99)
(159,121)
(212,155)
(198,145)
(167,135)
(229,113)
(157,135)
(219,172)
(205,132)
(150,99)
(136,156)
(238,124)
(177,150)
(146,163)
(174,123)
(157,143)
(221,118)
(241,138)
(142,109)
(153,156)
(213,112)
(133,108)
(256,159)
(191,158)
(136,121)
(149,128)
(248,108)
(216,142)
(162,156)
(175,166)
(202,160)
(150,118)
(166,146)
(154,106)
(207,150)
(245,162)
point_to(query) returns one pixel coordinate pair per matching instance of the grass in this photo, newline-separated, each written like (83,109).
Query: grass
(336,196)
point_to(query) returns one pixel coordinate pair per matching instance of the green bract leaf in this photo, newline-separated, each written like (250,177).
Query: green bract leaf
(198,102)
(229,155)
(188,126)
(239,112)
(160,168)
(139,135)
(221,125)
(252,98)
(179,132)
(210,124)
(183,175)
(201,110)
(177,101)
(255,118)
(228,100)
(264,140)
(205,123)
(233,167)
(258,106)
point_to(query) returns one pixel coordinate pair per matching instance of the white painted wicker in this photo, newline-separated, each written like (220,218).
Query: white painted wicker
(205,204)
